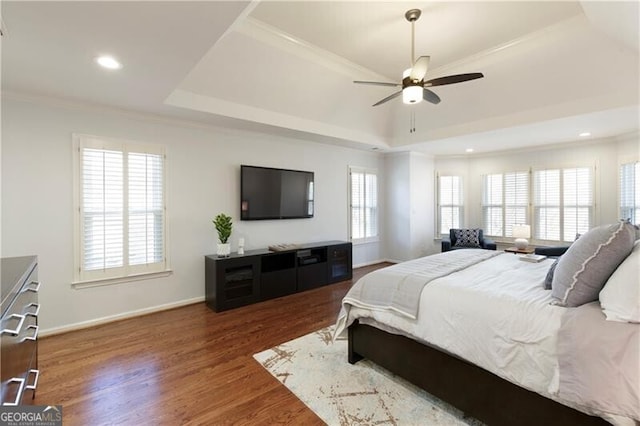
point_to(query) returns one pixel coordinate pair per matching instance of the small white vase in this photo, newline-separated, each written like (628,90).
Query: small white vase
(224,250)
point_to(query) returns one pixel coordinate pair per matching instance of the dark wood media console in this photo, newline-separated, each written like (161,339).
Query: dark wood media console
(258,275)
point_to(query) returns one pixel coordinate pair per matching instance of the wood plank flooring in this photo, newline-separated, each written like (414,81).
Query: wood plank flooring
(184,366)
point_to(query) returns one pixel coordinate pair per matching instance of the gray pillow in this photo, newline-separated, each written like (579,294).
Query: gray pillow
(584,269)
(549,278)
(467,237)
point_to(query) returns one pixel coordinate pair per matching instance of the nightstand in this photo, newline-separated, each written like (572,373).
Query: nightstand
(515,250)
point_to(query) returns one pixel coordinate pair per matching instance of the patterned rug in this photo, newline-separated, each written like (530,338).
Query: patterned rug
(316,370)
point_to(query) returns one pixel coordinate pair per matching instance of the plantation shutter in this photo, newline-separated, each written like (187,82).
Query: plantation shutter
(363,204)
(492,205)
(577,202)
(371,202)
(546,204)
(630,192)
(146,208)
(122,209)
(505,202)
(102,209)
(450,201)
(563,203)
(516,196)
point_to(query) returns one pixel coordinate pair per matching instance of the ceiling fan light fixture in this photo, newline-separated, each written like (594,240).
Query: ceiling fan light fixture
(411,94)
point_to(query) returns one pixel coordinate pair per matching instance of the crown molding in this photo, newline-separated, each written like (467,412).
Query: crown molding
(279,39)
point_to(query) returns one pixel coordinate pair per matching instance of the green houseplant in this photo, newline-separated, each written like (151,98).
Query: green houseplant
(224,226)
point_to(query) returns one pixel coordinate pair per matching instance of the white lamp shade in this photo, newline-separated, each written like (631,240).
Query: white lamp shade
(411,94)
(521,231)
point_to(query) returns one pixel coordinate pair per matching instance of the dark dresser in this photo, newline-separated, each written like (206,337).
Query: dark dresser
(19,336)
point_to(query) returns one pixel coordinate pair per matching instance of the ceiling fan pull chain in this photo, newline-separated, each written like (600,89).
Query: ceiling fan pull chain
(412,122)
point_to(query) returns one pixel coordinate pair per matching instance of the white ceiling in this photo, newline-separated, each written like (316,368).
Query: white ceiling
(552,69)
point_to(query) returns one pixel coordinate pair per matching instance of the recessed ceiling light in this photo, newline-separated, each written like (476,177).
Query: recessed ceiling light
(108,62)
(584,134)
(469,150)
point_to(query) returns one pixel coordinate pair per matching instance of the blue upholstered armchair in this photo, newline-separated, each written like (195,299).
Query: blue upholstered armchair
(551,251)
(467,238)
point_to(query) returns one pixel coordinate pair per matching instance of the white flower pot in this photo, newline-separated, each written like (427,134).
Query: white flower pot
(224,250)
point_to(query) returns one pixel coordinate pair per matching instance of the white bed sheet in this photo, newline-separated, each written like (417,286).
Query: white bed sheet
(496,315)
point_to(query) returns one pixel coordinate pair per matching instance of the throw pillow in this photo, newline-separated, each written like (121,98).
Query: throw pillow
(549,278)
(467,237)
(620,297)
(589,262)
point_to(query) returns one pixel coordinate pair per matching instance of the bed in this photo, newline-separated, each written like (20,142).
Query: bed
(478,329)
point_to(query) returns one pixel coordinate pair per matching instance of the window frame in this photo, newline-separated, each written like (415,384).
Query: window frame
(562,205)
(504,205)
(365,171)
(635,165)
(126,273)
(440,206)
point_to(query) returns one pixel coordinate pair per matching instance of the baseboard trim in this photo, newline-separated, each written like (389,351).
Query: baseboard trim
(111,318)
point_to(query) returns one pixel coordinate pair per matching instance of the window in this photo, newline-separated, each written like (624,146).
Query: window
(121,224)
(630,192)
(505,202)
(450,203)
(563,203)
(363,204)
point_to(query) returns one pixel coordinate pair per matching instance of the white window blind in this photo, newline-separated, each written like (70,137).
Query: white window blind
(363,204)
(630,192)
(505,202)
(121,218)
(563,203)
(450,202)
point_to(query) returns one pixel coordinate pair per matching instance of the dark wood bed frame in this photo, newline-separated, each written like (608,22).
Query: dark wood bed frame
(475,391)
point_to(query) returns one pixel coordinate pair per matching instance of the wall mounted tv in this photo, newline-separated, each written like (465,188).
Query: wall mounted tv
(268,193)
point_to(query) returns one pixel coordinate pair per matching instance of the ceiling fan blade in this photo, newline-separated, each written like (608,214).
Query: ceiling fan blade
(388,98)
(430,96)
(420,68)
(451,79)
(378,83)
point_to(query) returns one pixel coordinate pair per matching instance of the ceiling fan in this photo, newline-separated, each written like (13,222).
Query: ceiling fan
(414,88)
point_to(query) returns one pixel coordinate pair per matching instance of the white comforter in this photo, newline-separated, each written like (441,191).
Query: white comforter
(495,314)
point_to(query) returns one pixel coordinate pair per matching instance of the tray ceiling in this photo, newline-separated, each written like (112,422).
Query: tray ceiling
(287,67)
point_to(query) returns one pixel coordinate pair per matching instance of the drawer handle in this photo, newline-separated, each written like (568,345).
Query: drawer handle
(18,328)
(36,312)
(33,289)
(35,333)
(36,373)
(20,391)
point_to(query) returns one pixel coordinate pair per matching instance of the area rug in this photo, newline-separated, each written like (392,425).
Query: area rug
(316,370)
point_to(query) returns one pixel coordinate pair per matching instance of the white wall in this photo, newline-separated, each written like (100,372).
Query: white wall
(604,154)
(203,166)
(398,207)
(410,205)
(422,205)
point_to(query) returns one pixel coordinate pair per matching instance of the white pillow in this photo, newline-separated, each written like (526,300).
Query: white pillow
(620,297)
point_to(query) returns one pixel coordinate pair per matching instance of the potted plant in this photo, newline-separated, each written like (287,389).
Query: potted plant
(223,225)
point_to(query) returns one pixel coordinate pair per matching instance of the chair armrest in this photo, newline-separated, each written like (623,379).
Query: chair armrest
(488,244)
(551,251)
(446,244)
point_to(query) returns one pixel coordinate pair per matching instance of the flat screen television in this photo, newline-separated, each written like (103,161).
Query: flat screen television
(268,193)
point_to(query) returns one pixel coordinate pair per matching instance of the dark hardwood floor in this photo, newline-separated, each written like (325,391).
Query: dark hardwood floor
(188,365)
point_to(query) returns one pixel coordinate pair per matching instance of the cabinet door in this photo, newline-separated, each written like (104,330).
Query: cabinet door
(339,262)
(232,282)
